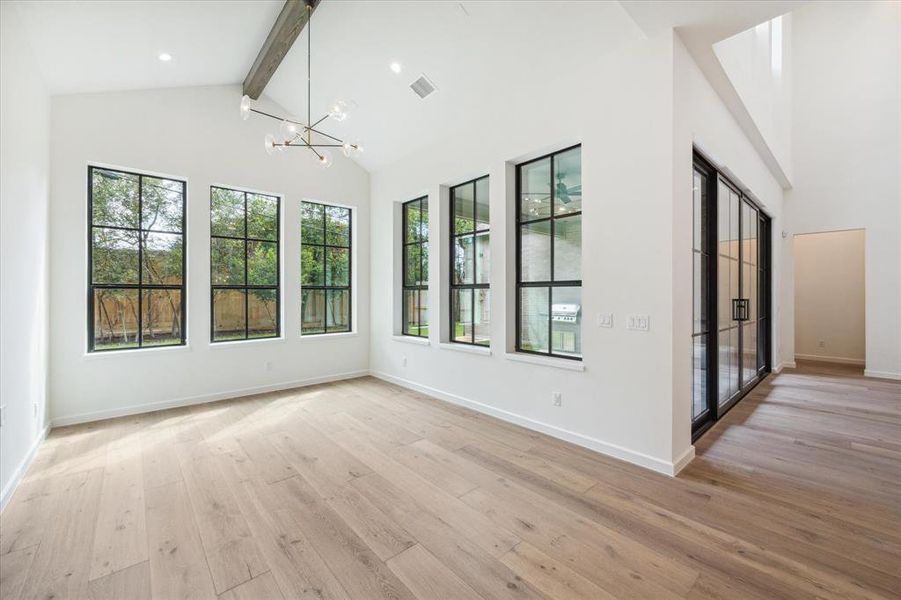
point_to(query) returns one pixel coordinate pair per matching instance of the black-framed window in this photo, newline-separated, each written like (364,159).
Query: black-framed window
(136,260)
(470,256)
(325,268)
(549,255)
(245,265)
(415,269)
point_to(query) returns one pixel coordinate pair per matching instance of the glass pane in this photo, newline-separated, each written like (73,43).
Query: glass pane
(464,205)
(114,199)
(483,257)
(262,313)
(262,263)
(699,193)
(412,219)
(568,248)
(337,226)
(461,311)
(312,311)
(752,236)
(749,351)
(463,260)
(337,266)
(226,212)
(699,377)
(481,317)
(761,342)
(482,204)
(724,299)
(734,208)
(424,313)
(312,265)
(533,319)
(312,223)
(227,261)
(161,323)
(228,315)
(162,205)
(749,273)
(412,262)
(722,200)
(700,293)
(568,184)
(566,321)
(415,312)
(535,190)
(338,310)
(262,217)
(163,253)
(535,245)
(115,319)
(424,220)
(114,256)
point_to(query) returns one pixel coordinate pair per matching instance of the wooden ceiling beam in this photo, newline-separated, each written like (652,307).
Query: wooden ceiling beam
(290,22)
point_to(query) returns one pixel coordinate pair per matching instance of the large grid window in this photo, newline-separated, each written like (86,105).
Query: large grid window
(470,267)
(136,286)
(244,265)
(549,255)
(416,267)
(325,268)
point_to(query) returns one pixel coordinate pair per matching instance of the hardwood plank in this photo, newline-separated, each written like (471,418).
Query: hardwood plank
(427,577)
(131,582)
(551,576)
(178,567)
(14,567)
(259,588)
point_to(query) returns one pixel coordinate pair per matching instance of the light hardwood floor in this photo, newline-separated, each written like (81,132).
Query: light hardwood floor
(363,490)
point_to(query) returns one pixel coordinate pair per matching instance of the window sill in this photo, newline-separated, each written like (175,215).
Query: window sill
(409,339)
(250,342)
(327,336)
(124,352)
(468,348)
(547,361)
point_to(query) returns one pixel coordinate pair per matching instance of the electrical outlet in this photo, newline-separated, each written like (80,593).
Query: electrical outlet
(639,322)
(822,344)
(403,361)
(268,365)
(558,398)
(605,319)
(2,415)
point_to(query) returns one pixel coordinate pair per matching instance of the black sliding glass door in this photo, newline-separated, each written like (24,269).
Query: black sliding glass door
(730,336)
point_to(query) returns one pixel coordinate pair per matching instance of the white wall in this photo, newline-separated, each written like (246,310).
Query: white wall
(829,296)
(846,151)
(196,134)
(702,120)
(758,63)
(24,177)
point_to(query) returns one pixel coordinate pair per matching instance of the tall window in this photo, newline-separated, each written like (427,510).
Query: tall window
(244,265)
(416,267)
(325,268)
(470,263)
(549,265)
(136,287)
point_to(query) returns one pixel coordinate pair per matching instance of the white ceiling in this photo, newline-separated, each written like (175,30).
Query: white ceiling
(95,46)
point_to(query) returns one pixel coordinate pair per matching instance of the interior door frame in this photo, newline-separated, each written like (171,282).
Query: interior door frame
(714,411)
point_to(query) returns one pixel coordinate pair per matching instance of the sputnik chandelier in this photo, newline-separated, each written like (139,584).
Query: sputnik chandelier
(294,134)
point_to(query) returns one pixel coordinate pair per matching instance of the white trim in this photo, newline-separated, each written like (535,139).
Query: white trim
(546,361)
(145,351)
(470,348)
(683,460)
(411,339)
(881,374)
(247,342)
(201,399)
(832,359)
(17,475)
(636,458)
(785,364)
(309,337)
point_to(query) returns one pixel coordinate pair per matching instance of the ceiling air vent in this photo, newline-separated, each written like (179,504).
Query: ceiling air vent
(423,86)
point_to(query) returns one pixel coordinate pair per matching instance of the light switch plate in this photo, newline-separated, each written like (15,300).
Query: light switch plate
(605,319)
(639,322)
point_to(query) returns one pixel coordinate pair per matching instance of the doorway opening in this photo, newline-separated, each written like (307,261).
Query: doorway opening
(830,313)
(731,286)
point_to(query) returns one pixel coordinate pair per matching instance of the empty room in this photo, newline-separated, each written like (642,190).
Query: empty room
(443,300)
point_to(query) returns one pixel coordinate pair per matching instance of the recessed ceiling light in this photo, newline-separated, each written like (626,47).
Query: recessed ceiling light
(396,67)
(165,56)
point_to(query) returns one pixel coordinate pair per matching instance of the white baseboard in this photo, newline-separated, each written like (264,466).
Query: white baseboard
(832,359)
(201,399)
(637,458)
(13,482)
(881,374)
(785,364)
